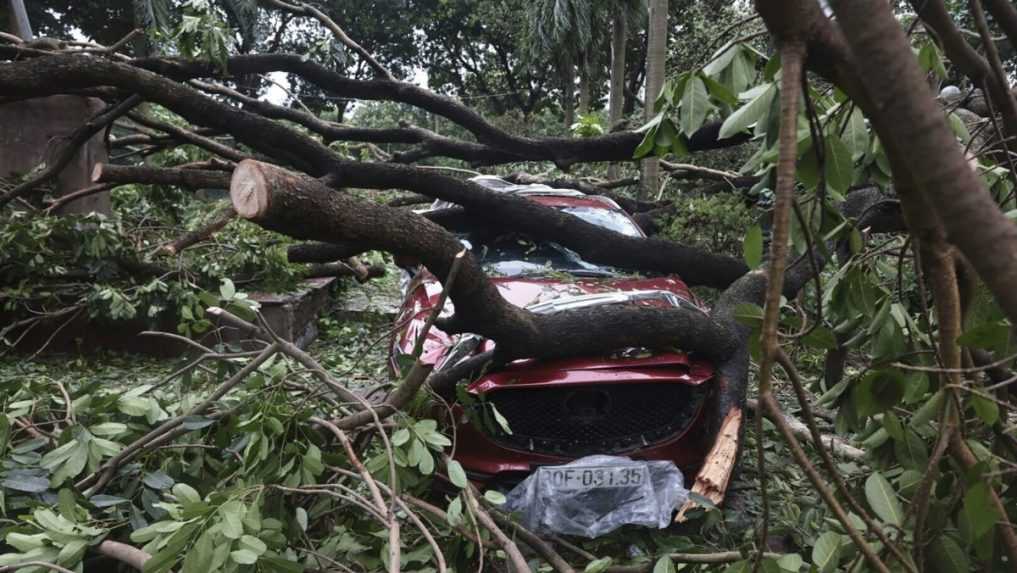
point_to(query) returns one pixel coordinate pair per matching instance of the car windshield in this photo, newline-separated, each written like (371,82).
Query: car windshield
(515,254)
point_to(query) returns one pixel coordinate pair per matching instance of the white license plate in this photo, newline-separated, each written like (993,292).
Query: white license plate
(577,479)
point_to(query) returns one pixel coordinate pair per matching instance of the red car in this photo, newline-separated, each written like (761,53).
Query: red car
(637,403)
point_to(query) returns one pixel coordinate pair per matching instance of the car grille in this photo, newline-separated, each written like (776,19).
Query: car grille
(576,421)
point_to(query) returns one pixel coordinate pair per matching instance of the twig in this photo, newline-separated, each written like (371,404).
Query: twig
(84,192)
(123,553)
(221,219)
(534,541)
(511,549)
(792,56)
(189,136)
(307,9)
(839,446)
(393,524)
(45,564)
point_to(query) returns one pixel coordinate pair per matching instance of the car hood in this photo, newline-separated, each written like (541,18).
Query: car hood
(526,292)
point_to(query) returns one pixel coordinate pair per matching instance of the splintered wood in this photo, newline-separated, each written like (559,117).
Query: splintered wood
(712,480)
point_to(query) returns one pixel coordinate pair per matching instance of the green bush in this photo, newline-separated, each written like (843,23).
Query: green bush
(713,222)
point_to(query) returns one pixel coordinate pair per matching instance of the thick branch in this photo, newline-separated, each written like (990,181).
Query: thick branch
(190,178)
(562,151)
(306,209)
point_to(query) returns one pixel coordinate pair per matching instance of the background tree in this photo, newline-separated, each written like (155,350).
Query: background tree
(656,60)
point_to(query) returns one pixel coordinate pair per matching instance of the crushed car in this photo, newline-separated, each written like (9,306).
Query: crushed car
(638,403)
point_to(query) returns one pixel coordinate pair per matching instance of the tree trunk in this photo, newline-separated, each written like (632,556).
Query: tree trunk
(568,99)
(18,23)
(619,35)
(584,87)
(656,56)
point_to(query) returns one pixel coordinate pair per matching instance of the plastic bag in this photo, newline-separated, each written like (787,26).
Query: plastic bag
(595,495)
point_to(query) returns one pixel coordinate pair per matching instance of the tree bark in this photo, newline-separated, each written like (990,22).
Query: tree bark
(656,59)
(19,24)
(619,39)
(584,86)
(190,178)
(568,98)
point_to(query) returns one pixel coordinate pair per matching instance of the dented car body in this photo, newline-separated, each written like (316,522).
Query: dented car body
(633,402)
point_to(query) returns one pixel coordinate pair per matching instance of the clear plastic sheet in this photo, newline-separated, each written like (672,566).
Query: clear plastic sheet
(595,495)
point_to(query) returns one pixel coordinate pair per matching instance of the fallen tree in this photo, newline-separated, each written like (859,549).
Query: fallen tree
(289,180)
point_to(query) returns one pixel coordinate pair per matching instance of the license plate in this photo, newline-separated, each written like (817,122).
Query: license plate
(576,479)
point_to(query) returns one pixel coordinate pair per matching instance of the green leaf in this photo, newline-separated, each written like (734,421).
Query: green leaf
(985,409)
(254,544)
(930,60)
(664,565)
(792,562)
(302,518)
(883,499)
(244,556)
(199,558)
(72,552)
(927,411)
(743,566)
(694,106)
(752,246)
(134,406)
(878,391)
(186,494)
(856,136)
(598,565)
(719,91)
(495,497)
(502,422)
(108,429)
(722,59)
(839,167)
(426,463)
(959,128)
(646,145)
(948,557)
(171,552)
(749,314)
(454,513)
(980,510)
(989,335)
(25,483)
(232,513)
(278,564)
(401,436)
(748,114)
(821,337)
(438,440)
(826,551)
(456,474)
